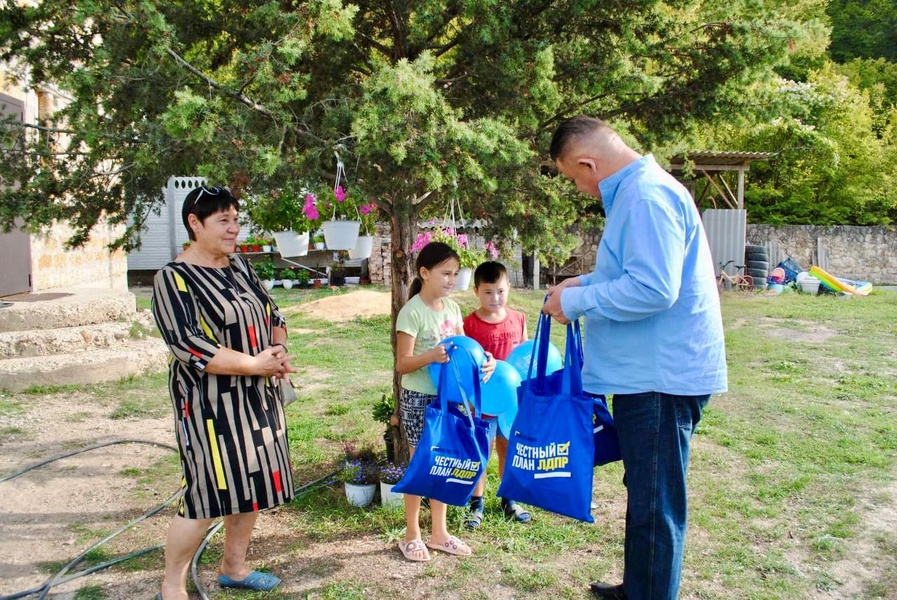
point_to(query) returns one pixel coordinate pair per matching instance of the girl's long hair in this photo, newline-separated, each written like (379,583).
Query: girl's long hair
(434,253)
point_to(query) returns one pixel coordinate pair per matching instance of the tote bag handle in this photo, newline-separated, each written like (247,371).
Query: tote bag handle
(571,381)
(442,388)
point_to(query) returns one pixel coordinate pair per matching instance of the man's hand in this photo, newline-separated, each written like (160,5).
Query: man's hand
(552,306)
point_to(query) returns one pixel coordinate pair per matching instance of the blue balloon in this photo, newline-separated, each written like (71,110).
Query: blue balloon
(506,420)
(469,356)
(500,392)
(519,358)
(471,345)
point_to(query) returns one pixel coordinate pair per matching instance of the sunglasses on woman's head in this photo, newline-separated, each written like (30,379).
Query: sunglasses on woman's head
(211,191)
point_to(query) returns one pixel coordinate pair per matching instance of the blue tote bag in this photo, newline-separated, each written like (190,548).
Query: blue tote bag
(453,448)
(607,444)
(551,447)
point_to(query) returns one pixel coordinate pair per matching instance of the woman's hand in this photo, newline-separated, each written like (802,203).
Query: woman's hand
(273,362)
(488,367)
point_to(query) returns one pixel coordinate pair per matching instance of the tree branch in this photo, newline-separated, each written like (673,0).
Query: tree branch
(242,98)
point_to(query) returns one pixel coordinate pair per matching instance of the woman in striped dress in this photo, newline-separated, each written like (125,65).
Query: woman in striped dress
(227,341)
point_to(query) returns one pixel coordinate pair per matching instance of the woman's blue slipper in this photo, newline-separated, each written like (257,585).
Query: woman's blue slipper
(254,581)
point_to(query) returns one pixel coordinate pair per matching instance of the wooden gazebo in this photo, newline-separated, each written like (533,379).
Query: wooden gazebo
(714,166)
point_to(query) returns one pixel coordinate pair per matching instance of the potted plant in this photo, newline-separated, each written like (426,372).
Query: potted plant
(289,213)
(286,278)
(391,474)
(359,472)
(302,278)
(364,246)
(338,271)
(470,257)
(340,206)
(265,269)
(383,411)
(266,244)
(318,240)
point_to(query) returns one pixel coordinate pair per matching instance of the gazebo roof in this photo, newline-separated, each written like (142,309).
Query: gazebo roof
(721,160)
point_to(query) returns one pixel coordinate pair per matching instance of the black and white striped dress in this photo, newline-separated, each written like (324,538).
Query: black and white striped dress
(231,429)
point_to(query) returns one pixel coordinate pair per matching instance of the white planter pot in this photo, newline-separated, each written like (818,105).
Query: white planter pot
(360,495)
(320,245)
(287,284)
(462,282)
(269,284)
(363,247)
(266,248)
(340,235)
(389,497)
(809,285)
(290,243)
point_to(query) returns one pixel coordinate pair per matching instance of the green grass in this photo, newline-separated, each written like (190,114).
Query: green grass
(784,466)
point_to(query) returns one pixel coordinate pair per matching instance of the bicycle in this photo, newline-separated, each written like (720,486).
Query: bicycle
(736,282)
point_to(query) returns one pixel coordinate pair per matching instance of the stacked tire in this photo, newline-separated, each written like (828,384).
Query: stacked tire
(756,264)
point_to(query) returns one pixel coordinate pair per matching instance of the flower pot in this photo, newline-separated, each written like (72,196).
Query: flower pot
(266,248)
(269,284)
(338,280)
(360,494)
(388,497)
(287,284)
(290,243)
(363,247)
(809,285)
(256,248)
(317,284)
(320,245)
(340,235)
(462,282)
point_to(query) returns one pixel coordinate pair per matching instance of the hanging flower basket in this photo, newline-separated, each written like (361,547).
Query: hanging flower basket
(462,282)
(363,247)
(290,243)
(340,235)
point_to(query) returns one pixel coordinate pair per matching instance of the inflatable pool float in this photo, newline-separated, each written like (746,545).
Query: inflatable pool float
(836,284)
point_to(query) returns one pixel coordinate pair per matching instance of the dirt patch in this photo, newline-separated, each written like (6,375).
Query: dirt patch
(869,558)
(796,330)
(345,307)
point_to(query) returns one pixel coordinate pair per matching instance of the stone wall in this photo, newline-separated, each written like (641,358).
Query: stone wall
(55,266)
(860,253)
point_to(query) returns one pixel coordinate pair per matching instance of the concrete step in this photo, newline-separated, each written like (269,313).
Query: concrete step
(66,308)
(131,357)
(65,340)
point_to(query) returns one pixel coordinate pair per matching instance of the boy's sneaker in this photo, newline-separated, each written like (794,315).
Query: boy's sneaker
(514,511)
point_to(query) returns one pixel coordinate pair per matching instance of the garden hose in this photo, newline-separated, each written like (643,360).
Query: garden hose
(60,577)
(217,526)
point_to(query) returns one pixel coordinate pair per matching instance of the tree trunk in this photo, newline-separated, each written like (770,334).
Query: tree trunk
(404,228)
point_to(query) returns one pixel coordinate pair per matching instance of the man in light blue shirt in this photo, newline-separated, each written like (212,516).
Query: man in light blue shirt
(654,338)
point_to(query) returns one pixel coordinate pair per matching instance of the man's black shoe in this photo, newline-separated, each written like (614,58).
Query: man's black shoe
(608,591)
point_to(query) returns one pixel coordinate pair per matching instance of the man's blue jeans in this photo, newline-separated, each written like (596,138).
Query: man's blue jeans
(655,434)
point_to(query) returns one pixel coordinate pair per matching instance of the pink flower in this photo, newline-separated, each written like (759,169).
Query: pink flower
(310,210)
(462,239)
(420,241)
(367,209)
(339,193)
(492,250)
